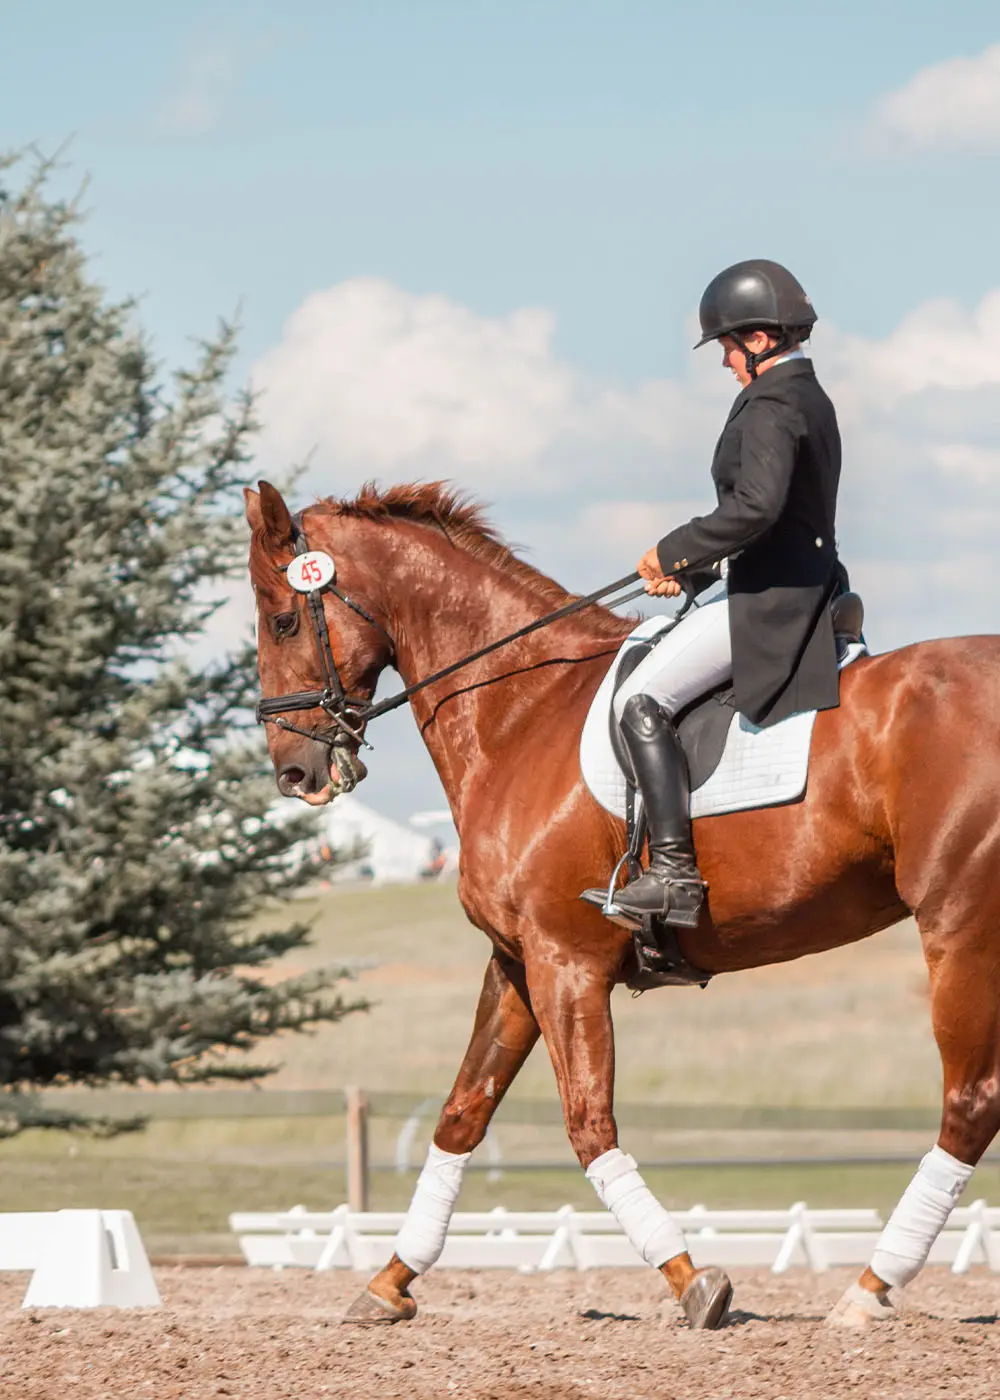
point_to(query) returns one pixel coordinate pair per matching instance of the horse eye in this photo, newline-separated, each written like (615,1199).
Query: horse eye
(285,624)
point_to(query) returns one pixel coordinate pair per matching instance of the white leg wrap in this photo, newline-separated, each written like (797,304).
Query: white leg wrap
(919,1218)
(615,1178)
(422,1236)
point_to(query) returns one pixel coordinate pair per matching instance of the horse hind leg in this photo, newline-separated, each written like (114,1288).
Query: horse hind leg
(965,1011)
(504,1033)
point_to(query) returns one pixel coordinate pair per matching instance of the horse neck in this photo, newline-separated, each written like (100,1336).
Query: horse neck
(443,602)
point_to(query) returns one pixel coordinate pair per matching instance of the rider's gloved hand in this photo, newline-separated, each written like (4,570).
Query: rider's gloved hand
(656,583)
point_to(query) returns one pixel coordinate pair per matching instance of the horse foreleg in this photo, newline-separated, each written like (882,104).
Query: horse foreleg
(965,1009)
(504,1033)
(573,1007)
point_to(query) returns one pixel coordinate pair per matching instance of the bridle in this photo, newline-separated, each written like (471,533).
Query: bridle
(350,714)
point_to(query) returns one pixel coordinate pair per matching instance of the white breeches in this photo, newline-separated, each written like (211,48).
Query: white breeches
(692,659)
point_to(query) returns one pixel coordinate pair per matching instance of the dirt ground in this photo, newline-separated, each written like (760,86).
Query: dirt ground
(253,1335)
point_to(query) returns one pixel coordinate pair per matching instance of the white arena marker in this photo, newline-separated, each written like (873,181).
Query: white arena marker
(22,1239)
(312,570)
(92,1259)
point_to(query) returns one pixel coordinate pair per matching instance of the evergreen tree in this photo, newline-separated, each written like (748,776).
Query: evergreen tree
(134,838)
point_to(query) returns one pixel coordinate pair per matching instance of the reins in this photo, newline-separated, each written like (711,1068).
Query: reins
(394,701)
(350,714)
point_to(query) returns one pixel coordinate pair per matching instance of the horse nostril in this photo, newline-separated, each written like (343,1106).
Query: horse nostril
(291,778)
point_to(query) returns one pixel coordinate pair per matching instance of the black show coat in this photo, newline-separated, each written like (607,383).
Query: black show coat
(776,470)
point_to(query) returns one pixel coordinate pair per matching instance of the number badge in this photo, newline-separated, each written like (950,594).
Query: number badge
(310,571)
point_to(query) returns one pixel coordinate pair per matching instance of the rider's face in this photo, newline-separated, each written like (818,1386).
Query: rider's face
(733,357)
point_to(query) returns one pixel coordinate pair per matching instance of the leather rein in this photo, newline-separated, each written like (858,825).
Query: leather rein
(349,714)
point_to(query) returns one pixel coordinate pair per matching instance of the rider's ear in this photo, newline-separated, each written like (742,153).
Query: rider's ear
(275,515)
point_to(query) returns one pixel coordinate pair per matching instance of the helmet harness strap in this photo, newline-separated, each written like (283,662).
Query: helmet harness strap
(783,343)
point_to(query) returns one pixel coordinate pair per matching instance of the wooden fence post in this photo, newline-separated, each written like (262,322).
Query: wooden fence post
(357,1149)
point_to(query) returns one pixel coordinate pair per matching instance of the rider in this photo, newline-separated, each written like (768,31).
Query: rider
(776,469)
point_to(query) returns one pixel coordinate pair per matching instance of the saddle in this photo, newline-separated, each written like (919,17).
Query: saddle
(703,727)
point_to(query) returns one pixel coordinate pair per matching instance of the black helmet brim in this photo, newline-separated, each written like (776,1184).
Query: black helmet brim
(754,295)
(737,329)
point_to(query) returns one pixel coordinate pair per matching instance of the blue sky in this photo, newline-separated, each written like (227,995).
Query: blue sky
(592,164)
(600,159)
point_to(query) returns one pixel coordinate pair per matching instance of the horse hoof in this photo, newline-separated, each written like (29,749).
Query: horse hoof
(859,1308)
(369,1310)
(707,1298)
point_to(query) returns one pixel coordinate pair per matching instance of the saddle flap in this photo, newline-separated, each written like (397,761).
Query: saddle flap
(703,728)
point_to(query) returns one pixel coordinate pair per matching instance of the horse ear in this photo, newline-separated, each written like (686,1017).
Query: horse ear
(275,515)
(255,517)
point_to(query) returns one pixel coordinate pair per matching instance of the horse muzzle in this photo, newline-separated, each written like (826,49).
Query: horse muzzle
(321,773)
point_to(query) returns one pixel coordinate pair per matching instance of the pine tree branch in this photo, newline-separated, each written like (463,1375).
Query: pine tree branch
(137,834)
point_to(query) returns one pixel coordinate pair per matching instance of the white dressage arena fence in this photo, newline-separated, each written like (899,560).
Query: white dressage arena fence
(78,1259)
(571,1239)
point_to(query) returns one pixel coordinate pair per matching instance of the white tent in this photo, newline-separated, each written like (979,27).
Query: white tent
(392,852)
(388,851)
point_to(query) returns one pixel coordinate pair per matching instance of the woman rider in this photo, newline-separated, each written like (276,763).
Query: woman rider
(776,469)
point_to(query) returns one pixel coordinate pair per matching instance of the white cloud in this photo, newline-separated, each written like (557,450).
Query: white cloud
(633,525)
(196,105)
(954,105)
(392,380)
(382,382)
(939,346)
(980,465)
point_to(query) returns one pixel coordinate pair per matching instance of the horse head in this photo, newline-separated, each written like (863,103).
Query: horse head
(319,654)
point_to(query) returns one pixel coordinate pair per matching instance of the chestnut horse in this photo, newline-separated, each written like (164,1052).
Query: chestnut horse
(901,816)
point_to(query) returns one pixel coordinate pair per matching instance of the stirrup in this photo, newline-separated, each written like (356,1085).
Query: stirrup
(605,899)
(659,960)
(682,899)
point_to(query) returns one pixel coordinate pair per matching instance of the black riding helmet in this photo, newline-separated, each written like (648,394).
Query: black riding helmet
(755,295)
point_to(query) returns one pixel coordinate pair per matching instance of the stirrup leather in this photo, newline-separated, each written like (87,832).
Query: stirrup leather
(659,960)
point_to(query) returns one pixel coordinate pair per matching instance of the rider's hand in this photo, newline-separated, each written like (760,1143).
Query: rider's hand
(657,584)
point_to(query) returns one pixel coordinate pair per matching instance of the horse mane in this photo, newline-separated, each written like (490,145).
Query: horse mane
(462,521)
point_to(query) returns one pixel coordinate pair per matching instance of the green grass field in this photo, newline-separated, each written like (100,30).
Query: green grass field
(846,1028)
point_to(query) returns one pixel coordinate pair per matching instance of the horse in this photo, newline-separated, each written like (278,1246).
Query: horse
(901,816)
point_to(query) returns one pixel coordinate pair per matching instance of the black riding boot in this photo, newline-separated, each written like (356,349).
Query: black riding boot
(671,889)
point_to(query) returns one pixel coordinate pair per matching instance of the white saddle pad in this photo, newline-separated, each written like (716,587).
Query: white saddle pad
(758,768)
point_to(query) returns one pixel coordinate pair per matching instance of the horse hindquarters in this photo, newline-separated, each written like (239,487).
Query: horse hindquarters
(947,853)
(947,856)
(965,1008)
